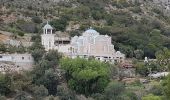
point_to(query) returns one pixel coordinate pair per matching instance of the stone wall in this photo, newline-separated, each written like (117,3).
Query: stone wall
(22,61)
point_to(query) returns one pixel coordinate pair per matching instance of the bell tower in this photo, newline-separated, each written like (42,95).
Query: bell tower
(47,38)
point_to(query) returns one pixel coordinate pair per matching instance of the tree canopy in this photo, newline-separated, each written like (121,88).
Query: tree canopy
(85,76)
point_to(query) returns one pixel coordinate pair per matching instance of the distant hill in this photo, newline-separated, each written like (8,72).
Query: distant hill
(135,25)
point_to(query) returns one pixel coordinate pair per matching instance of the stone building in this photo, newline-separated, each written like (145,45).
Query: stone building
(92,44)
(52,41)
(47,38)
(20,61)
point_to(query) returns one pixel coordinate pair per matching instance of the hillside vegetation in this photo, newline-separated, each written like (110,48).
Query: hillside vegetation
(137,29)
(133,26)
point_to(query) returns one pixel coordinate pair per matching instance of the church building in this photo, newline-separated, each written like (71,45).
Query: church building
(90,44)
(47,39)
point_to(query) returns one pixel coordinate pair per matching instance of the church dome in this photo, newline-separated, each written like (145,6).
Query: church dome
(101,38)
(90,32)
(47,26)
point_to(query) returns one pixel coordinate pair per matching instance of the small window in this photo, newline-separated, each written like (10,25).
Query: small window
(22,58)
(0,56)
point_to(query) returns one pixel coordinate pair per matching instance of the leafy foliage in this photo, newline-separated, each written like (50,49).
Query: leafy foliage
(45,73)
(114,91)
(117,91)
(163,57)
(37,51)
(134,32)
(166,87)
(85,76)
(151,97)
(37,19)
(3,48)
(66,94)
(5,84)
(60,24)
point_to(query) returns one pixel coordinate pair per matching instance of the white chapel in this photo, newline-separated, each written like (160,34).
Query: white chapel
(90,44)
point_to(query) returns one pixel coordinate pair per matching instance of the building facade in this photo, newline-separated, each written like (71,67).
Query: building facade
(90,44)
(47,38)
(20,61)
(51,41)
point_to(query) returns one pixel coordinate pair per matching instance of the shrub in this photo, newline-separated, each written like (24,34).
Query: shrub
(37,19)
(86,76)
(20,33)
(136,9)
(28,27)
(60,24)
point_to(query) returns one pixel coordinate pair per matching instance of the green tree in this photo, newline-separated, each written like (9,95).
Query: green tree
(65,93)
(53,58)
(166,87)
(37,19)
(83,12)
(5,84)
(3,48)
(60,24)
(37,51)
(128,50)
(85,76)
(21,82)
(36,38)
(151,97)
(20,33)
(40,92)
(44,73)
(142,69)
(12,49)
(114,91)
(139,54)
(38,54)
(163,57)
(21,49)
(97,15)
(156,89)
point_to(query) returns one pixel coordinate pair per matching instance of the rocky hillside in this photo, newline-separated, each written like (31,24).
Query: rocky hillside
(136,27)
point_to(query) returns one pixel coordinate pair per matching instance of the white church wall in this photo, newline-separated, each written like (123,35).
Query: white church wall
(63,48)
(48,41)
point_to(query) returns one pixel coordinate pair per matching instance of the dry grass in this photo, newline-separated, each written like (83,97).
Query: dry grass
(3,37)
